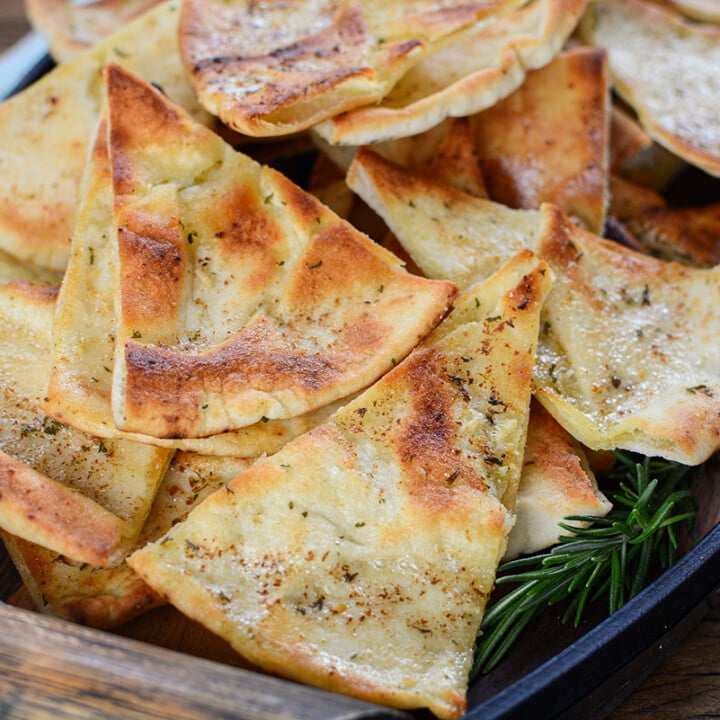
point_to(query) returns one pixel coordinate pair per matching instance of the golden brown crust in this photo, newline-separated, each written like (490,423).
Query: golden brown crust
(360,557)
(306,61)
(271,308)
(548,141)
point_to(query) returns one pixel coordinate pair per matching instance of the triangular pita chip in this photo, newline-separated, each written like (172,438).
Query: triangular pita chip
(437,224)
(548,140)
(689,235)
(282,67)
(556,482)
(240,296)
(469,74)
(80,385)
(627,354)
(45,132)
(72,492)
(70,26)
(663,65)
(108,597)
(359,558)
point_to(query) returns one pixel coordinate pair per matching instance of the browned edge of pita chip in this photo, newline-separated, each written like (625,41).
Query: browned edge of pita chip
(33,506)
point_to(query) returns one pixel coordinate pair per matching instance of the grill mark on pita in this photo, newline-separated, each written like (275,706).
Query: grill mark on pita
(152,266)
(427,442)
(260,357)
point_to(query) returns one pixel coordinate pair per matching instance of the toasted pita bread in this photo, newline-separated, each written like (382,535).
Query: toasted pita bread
(481,66)
(556,482)
(307,61)
(71,27)
(688,235)
(706,10)
(359,558)
(668,69)
(108,597)
(410,203)
(71,492)
(241,297)
(45,132)
(627,138)
(619,327)
(80,384)
(548,140)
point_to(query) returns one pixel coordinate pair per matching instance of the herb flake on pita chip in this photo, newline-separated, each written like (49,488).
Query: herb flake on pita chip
(75,493)
(240,296)
(613,364)
(359,558)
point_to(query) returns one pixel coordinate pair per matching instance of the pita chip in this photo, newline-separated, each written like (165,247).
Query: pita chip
(482,65)
(108,597)
(71,492)
(667,68)
(359,558)
(80,383)
(45,132)
(548,141)
(240,296)
(283,67)
(618,327)
(556,482)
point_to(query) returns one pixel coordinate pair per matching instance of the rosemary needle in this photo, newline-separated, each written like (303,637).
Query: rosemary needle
(613,557)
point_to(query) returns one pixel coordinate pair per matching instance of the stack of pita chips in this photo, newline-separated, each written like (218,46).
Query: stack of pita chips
(258,413)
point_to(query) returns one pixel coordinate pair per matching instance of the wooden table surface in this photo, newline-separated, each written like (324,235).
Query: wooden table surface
(686,685)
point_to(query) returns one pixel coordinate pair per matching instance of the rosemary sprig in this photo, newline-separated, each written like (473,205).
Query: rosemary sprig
(614,556)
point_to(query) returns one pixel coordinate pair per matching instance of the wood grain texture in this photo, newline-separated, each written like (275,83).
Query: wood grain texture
(127,679)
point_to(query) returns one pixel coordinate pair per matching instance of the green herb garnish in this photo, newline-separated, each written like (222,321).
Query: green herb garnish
(615,557)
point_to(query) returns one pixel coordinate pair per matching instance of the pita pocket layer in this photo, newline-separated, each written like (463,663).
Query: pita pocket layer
(627,356)
(668,69)
(275,68)
(240,296)
(45,132)
(71,492)
(556,483)
(471,73)
(70,26)
(108,597)
(548,141)
(360,557)
(80,384)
